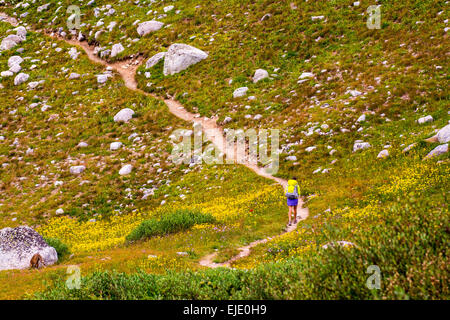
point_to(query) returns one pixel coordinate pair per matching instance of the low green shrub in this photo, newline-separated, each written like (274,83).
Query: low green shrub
(173,222)
(61,248)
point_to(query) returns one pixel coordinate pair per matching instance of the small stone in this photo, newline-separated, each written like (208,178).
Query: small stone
(443,148)
(124,115)
(154,60)
(240,92)
(360,146)
(259,75)
(21,78)
(126,169)
(383,154)
(425,119)
(116,49)
(77,169)
(115,146)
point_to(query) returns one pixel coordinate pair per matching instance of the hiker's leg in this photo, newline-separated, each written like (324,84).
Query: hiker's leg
(290,209)
(295,214)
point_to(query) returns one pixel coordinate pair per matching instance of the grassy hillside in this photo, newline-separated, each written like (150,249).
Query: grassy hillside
(393,210)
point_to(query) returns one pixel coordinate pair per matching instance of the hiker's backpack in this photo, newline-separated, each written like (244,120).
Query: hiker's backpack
(292,192)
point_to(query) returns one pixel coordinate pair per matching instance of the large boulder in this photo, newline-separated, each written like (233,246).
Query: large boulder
(19,245)
(149,26)
(180,56)
(154,60)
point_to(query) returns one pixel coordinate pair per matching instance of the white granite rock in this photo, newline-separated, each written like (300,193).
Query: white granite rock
(181,56)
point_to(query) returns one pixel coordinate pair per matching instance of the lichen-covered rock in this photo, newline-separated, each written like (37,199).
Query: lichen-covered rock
(18,245)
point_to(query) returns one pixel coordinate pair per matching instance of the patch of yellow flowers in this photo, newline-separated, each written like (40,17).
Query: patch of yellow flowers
(418,177)
(107,233)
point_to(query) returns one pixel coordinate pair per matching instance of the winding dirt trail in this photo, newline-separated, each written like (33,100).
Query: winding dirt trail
(213,132)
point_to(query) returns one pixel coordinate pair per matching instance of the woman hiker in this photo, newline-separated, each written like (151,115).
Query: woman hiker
(292,194)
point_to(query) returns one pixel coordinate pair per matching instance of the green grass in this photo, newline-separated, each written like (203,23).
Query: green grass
(173,222)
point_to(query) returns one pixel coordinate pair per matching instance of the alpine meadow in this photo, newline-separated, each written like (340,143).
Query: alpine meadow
(224,150)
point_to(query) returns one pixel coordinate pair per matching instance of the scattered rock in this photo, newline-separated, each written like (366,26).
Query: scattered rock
(306,75)
(425,119)
(73,53)
(77,169)
(149,26)
(154,60)
(383,154)
(73,76)
(5,74)
(443,135)
(362,118)
(116,49)
(168,9)
(124,115)
(240,92)
(102,78)
(126,169)
(409,147)
(441,149)
(227,120)
(115,146)
(21,78)
(180,56)
(10,42)
(259,75)
(340,243)
(14,60)
(360,146)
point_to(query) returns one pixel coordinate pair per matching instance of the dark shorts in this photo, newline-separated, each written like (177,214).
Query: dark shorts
(292,202)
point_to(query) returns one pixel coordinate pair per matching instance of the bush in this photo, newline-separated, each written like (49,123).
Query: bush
(170,223)
(61,248)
